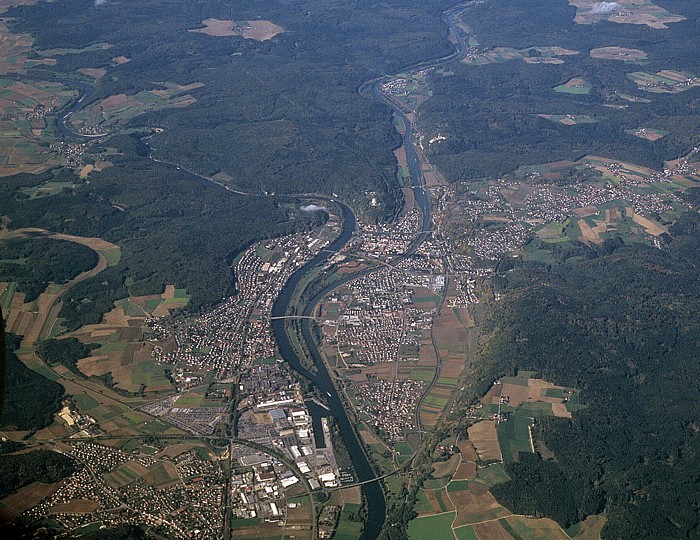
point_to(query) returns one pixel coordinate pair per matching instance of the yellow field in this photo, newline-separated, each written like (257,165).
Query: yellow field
(257,30)
(485,439)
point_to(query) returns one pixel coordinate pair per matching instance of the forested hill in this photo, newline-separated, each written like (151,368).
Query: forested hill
(619,322)
(279,115)
(170,226)
(489,112)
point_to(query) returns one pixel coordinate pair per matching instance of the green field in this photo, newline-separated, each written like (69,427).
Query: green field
(85,402)
(574,86)
(115,346)
(457,486)
(536,409)
(347,529)
(436,483)
(243,523)
(422,374)
(152,304)
(190,400)
(493,474)
(131,309)
(7,295)
(440,501)
(438,527)
(422,505)
(155,426)
(149,373)
(403,448)
(465,533)
(514,436)
(436,401)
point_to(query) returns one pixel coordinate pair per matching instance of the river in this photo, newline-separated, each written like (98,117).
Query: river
(373,494)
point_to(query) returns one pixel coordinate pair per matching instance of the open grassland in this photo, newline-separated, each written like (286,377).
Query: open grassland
(438,527)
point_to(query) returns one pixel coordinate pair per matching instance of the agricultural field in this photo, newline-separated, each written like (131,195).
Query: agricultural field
(665,81)
(618,53)
(257,30)
(569,119)
(123,351)
(576,86)
(650,134)
(438,527)
(624,12)
(111,113)
(531,55)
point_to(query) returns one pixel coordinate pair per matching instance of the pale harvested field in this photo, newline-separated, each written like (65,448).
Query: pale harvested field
(612,216)
(534,391)
(466,448)
(118,101)
(96,73)
(641,12)
(592,527)
(491,531)
(368,437)
(409,199)
(588,235)
(86,170)
(175,450)
(537,529)
(76,506)
(651,227)
(475,508)
(352,495)
(257,30)
(673,75)
(465,471)
(429,418)
(26,498)
(485,439)
(560,411)
(400,154)
(618,53)
(446,468)
(515,393)
(120,60)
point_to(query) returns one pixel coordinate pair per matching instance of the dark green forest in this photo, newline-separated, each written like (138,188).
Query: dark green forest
(620,323)
(281,115)
(171,228)
(489,113)
(35,262)
(30,399)
(19,470)
(65,352)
